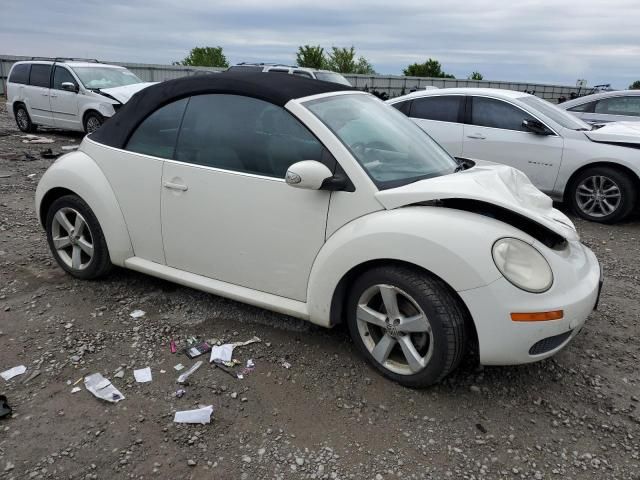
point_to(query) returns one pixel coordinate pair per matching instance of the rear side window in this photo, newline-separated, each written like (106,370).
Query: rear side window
(489,112)
(444,109)
(62,75)
(40,75)
(619,106)
(585,107)
(403,106)
(20,73)
(157,134)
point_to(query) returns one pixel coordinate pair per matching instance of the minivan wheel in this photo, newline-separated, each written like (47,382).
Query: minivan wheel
(603,194)
(76,239)
(408,324)
(92,122)
(24,120)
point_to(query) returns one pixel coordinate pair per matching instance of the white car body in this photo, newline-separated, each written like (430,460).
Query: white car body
(292,250)
(551,161)
(615,106)
(52,106)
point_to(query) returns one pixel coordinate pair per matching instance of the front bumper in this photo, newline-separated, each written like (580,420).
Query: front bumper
(576,289)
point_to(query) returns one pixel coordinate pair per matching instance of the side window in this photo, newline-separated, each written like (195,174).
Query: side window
(20,73)
(157,134)
(40,75)
(444,109)
(619,106)
(302,73)
(488,112)
(62,75)
(244,134)
(585,107)
(403,106)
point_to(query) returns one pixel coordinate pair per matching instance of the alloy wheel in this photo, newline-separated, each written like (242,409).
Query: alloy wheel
(93,124)
(22,118)
(394,329)
(598,196)
(72,238)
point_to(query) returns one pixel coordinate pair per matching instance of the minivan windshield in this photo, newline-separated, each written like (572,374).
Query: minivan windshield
(392,149)
(556,114)
(105,77)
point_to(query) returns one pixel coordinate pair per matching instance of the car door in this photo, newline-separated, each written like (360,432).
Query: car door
(64,103)
(615,109)
(37,94)
(495,133)
(227,212)
(441,117)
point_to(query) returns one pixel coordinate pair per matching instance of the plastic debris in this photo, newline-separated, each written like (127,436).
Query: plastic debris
(102,388)
(172,346)
(179,367)
(286,365)
(5,409)
(70,147)
(201,415)
(137,314)
(13,372)
(119,374)
(180,392)
(183,378)
(36,139)
(224,353)
(250,367)
(142,375)
(75,389)
(49,154)
(33,375)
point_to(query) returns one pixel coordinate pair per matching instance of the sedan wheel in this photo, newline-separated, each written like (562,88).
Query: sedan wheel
(603,194)
(598,196)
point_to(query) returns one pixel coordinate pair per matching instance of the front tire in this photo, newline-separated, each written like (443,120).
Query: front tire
(23,120)
(92,122)
(76,239)
(408,324)
(602,194)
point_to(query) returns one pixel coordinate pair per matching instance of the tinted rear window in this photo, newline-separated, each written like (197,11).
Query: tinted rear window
(40,75)
(20,73)
(444,109)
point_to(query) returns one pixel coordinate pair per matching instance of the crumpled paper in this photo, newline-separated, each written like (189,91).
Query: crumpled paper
(200,415)
(102,388)
(224,353)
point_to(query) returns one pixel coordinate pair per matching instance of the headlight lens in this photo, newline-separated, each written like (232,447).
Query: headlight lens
(522,265)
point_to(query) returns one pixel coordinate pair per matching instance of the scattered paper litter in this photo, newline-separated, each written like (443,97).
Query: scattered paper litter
(183,378)
(137,314)
(200,415)
(179,367)
(223,353)
(102,388)
(75,389)
(36,139)
(13,372)
(69,147)
(142,375)
(286,365)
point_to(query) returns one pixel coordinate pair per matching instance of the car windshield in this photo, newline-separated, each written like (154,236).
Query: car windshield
(332,77)
(556,114)
(105,77)
(392,149)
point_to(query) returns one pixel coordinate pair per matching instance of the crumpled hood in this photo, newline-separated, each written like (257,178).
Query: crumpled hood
(488,182)
(616,132)
(124,93)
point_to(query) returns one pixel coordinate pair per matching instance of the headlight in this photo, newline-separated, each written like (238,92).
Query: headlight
(522,265)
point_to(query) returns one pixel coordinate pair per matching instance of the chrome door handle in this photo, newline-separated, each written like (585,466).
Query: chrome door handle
(175,186)
(476,136)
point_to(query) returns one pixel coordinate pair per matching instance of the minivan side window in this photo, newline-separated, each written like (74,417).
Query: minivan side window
(585,107)
(157,133)
(20,73)
(441,108)
(60,76)
(619,106)
(40,75)
(244,134)
(489,112)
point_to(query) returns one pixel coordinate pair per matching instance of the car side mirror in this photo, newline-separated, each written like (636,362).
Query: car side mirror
(535,126)
(308,174)
(70,87)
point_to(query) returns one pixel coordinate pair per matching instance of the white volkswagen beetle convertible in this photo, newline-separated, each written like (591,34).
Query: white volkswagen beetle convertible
(322,202)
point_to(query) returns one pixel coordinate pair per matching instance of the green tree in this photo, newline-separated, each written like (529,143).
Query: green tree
(635,85)
(205,57)
(311,57)
(430,68)
(476,76)
(343,60)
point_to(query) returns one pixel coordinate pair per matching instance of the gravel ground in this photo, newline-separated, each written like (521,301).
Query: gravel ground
(329,415)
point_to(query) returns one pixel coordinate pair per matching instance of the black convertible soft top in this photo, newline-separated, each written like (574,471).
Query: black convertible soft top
(276,88)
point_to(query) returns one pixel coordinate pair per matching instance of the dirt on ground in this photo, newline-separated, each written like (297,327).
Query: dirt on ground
(329,415)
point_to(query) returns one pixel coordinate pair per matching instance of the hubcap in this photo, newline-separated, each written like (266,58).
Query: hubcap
(394,329)
(598,196)
(92,124)
(22,118)
(72,238)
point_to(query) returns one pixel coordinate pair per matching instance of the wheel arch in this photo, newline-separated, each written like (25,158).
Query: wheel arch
(602,163)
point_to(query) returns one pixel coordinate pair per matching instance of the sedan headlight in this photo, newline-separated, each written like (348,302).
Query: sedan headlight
(522,265)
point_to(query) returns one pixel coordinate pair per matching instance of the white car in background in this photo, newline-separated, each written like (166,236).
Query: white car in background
(68,94)
(616,106)
(596,171)
(321,202)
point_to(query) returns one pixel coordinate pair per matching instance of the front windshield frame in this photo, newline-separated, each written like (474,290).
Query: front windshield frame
(421,143)
(558,115)
(83,75)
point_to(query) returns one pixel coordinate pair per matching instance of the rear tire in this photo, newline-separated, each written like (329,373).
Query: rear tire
(76,239)
(23,120)
(416,339)
(602,194)
(92,122)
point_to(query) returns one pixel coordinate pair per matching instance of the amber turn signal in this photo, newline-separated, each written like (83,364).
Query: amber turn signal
(537,316)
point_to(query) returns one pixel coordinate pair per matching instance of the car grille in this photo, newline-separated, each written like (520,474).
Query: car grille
(549,343)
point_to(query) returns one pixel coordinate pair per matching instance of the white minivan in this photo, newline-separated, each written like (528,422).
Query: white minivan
(68,94)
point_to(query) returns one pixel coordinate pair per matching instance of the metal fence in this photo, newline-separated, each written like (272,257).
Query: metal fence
(391,85)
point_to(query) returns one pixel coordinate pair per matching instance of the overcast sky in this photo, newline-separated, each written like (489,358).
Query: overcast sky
(539,41)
